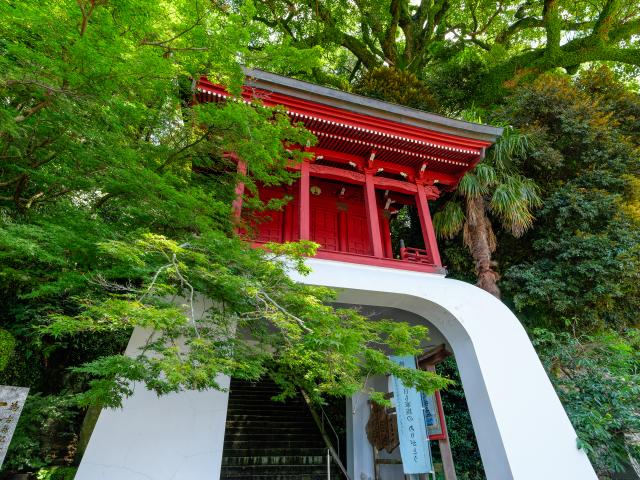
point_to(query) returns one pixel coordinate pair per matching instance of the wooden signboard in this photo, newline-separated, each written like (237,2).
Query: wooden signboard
(11,402)
(382,429)
(436,427)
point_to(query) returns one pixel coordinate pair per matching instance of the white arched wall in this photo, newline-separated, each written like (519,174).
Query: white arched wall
(522,430)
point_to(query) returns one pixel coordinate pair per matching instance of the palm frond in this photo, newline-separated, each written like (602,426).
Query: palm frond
(511,145)
(472,114)
(470,186)
(530,192)
(449,221)
(512,202)
(486,174)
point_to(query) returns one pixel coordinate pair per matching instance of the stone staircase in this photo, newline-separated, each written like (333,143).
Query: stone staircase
(271,440)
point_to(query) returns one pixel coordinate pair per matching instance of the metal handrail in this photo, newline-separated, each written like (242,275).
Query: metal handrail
(335,434)
(325,437)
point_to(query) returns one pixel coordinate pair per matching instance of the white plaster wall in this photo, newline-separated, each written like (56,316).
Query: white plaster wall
(174,437)
(178,436)
(359,451)
(522,430)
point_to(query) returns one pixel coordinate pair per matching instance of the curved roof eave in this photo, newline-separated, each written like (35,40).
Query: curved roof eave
(369,106)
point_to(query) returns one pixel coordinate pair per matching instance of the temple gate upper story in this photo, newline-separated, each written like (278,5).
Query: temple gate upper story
(372,159)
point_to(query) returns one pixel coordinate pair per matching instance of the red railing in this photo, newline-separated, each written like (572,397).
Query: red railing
(416,255)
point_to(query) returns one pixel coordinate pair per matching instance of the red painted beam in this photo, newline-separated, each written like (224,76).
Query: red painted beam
(334,173)
(338,157)
(399,186)
(378,262)
(428,175)
(348,176)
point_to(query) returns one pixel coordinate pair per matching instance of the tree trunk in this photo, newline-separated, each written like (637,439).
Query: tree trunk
(479,237)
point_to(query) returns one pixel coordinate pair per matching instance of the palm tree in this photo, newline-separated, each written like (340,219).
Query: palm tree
(492,188)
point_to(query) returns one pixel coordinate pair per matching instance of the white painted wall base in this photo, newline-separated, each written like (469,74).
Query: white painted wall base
(175,437)
(178,436)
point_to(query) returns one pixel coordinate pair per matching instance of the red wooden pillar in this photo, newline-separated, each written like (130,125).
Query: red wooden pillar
(372,214)
(305,201)
(237,203)
(428,233)
(343,240)
(288,233)
(385,231)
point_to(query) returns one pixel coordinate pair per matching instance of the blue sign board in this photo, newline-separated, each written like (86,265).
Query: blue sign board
(412,432)
(429,406)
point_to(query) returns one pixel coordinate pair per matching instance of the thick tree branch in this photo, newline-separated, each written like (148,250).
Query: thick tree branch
(514,28)
(625,31)
(10,182)
(552,25)
(389,40)
(573,53)
(360,50)
(351,43)
(606,19)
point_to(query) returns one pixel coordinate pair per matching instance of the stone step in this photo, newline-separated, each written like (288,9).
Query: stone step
(268,436)
(284,444)
(275,431)
(266,403)
(275,469)
(270,460)
(237,389)
(274,452)
(267,416)
(265,407)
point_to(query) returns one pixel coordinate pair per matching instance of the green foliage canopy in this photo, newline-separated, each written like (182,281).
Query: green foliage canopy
(597,380)
(501,42)
(586,266)
(115,212)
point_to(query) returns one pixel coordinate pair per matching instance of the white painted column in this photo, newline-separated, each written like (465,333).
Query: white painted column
(178,436)
(174,437)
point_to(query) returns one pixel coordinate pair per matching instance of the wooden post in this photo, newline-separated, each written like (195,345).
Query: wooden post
(385,231)
(428,233)
(444,446)
(305,201)
(372,214)
(288,234)
(447,459)
(237,203)
(343,239)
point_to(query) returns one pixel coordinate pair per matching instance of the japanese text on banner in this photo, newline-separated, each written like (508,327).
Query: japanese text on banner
(414,446)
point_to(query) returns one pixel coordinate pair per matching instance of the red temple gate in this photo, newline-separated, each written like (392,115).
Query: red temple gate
(362,171)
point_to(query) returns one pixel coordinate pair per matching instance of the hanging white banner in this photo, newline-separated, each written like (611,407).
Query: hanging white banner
(412,432)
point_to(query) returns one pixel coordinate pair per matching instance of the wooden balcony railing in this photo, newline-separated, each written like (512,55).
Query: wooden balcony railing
(416,255)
